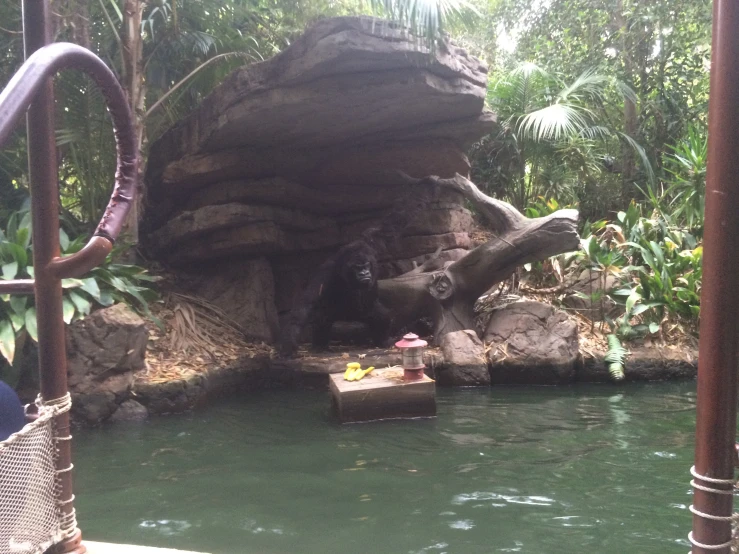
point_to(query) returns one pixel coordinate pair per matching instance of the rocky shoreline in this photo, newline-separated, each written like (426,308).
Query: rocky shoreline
(311,372)
(115,377)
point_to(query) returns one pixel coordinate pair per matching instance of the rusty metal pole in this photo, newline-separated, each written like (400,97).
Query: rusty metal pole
(719,322)
(43,172)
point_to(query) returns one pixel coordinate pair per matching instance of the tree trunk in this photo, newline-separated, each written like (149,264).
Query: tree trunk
(448,294)
(631,123)
(134,84)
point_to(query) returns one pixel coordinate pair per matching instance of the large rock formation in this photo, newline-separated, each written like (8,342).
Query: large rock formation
(532,343)
(301,153)
(104,349)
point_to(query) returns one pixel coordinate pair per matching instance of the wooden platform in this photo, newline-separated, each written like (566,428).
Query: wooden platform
(382,395)
(107,548)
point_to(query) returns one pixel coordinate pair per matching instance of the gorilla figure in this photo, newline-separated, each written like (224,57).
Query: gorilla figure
(344,288)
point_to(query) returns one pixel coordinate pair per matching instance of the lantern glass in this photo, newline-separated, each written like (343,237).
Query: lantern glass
(413,358)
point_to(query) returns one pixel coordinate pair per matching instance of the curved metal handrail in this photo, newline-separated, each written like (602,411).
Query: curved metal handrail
(15,100)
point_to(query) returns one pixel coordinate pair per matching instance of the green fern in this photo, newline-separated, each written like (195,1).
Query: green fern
(615,358)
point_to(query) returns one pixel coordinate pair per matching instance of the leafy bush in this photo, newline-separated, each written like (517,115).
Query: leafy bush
(664,275)
(106,285)
(686,195)
(657,264)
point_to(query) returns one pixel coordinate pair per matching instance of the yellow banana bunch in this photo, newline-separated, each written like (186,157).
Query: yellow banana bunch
(351,368)
(354,371)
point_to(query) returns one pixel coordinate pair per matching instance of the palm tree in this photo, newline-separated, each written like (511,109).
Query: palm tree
(558,133)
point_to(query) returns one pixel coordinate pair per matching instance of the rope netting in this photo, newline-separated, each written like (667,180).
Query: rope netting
(31,513)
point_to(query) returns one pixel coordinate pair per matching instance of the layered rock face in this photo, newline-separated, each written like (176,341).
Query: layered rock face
(291,158)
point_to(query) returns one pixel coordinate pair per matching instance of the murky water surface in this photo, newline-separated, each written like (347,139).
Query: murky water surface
(537,470)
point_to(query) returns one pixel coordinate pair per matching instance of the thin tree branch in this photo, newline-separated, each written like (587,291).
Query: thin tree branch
(193,72)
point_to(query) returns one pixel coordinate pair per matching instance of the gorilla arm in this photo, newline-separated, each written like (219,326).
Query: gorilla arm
(306,308)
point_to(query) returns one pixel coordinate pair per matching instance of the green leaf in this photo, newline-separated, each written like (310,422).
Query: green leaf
(653,328)
(10,271)
(63,240)
(67,310)
(18,303)
(106,298)
(23,237)
(82,304)
(119,284)
(90,286)
(18,322)
(32,324)
(639,309)
(622,292)
(12,228)
(137,296)
(633,298)
(649,259)
(7,340)
(25,224)
(72,283)
(658,254)
(11,251)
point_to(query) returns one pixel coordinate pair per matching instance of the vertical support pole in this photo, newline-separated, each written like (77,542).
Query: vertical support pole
(717,362)
(43,171)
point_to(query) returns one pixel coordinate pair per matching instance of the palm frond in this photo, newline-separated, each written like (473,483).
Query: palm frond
(554,122)
(589,84)
(625,90)
(527,69)
(426,18)
(596,132)
(639,149)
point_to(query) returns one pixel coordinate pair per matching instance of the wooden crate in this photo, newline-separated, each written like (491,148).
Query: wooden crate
(382,395)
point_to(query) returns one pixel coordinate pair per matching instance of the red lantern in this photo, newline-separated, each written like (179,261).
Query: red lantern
(411,350)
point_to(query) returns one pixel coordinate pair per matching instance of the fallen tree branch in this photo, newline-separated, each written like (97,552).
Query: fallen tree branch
(448,294)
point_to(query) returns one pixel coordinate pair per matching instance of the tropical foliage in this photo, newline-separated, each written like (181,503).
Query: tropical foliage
(555,138)
(105,285)
(602,106)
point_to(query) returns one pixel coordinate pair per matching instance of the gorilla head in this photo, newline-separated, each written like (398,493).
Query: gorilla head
(361,271)
(359,268)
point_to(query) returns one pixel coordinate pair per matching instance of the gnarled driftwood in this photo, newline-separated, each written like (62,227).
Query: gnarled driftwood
(448,293)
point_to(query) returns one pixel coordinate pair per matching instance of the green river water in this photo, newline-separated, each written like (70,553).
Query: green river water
(586,469)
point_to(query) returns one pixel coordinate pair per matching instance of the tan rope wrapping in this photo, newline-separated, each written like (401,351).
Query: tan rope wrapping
(733,543)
